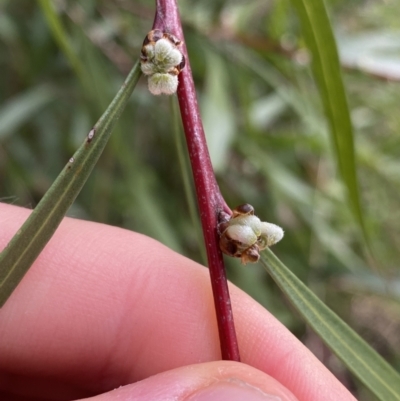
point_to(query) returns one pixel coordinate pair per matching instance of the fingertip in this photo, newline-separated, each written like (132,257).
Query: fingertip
(212,381)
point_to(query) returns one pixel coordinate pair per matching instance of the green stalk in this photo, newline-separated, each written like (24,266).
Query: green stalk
(26,245)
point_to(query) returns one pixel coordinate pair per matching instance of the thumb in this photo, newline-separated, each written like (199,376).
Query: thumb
(212,381)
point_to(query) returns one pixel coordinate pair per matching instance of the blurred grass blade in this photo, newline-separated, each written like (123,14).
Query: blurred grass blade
(320,40)
(356,354)
(184,167)
(22,107)
(217,112)
(27,244)
(62,38)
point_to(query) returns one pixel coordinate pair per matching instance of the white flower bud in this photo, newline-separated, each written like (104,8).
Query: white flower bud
(148,68)
(270,234)
(163,84)
(166,56)
(162,62)
(248,220)
(242,234)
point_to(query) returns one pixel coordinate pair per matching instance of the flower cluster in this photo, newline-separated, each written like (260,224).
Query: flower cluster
(161,61)
(244,235)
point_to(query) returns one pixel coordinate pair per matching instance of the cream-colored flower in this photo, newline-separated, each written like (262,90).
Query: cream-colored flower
(166,84)
(166,56)
(270,234)
(244,235)
(161,62)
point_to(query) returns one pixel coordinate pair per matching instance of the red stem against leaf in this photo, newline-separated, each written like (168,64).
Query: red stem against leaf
(209,197)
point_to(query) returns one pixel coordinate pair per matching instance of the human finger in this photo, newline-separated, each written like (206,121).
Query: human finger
(102,307)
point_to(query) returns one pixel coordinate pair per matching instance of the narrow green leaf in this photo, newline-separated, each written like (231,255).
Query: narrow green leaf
(355,353)
(27,244)
(320,40)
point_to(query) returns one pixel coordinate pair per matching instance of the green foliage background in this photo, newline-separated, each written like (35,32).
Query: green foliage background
(266,130)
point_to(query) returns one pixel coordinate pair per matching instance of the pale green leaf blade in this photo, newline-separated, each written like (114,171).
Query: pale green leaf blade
(26,245)
(355,353)
(321,43)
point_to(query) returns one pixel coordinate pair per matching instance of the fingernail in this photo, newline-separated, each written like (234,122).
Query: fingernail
(233,390)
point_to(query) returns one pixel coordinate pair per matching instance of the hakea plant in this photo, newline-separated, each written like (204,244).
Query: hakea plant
(238,233)
(165,61)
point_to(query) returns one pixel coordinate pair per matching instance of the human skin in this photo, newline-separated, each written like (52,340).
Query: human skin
(104,307)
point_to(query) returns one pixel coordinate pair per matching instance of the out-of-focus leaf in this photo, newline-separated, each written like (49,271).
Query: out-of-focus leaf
(218,121)
(184,167)
(62,39)
(22,107)
(369,283)
(299,193)
(325,61)
(8,30)
(372,52)
(355,353)
(265,111)
(267,73)
(26,245)
(151,215)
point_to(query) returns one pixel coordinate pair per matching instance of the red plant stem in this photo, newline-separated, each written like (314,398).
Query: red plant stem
(209,197)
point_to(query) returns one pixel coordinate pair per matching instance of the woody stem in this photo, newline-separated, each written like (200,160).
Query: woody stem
(209,197)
